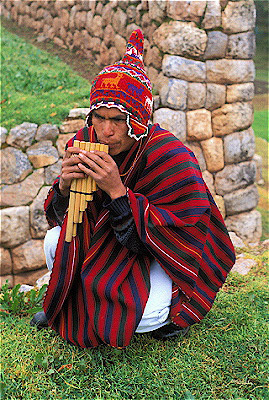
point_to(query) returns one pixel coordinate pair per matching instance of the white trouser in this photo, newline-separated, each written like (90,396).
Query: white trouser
(158,305)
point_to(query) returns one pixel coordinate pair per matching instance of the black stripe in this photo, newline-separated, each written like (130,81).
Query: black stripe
(85,132)
(76,191)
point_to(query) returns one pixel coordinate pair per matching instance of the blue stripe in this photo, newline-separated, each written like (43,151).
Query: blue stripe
(108,322)
(214,268)
(222,245)
(187,318)
(141,218)
(202,292)
(110,283)
(190,212)
(59,288)
(176,186)
(139,311)
(170,154)
(189,238)
(167,216)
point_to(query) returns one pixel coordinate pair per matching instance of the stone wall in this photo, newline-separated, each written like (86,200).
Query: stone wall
(31,157)
(198,55)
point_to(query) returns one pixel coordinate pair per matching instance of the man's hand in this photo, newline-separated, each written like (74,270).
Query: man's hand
(70,169)
(103,169)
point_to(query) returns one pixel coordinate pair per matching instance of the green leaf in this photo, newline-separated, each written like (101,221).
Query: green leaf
(4,288)
(15,291)
(51,371)
(82,365)
(41,293)
(3,388)
(50,359)
(6,297)
(188,396)
(3,313)
(32,296)
(41,360)
(15,304)
(35,310)
(4,306)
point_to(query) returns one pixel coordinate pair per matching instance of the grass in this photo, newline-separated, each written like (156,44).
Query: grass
(261,56)
(36,86)
(261,60)
(224,357)
(262,147)
(260,124)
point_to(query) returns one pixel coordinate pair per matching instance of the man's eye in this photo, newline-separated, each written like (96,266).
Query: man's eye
(97,116)
(117,120)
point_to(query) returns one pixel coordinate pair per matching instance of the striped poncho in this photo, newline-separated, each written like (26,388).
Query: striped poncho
(98,288)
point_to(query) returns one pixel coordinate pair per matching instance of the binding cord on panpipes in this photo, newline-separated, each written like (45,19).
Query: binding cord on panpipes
(81,191)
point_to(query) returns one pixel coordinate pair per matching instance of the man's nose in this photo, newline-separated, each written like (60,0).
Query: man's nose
(107,127)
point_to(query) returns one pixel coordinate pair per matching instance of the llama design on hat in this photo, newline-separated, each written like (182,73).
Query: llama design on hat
(111,81)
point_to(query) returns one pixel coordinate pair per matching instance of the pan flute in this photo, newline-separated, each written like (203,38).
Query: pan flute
(81,191)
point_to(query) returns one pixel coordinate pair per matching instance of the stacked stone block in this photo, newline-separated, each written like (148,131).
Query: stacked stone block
(199,57)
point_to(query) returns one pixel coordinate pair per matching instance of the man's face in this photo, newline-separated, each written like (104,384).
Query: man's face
(111,129)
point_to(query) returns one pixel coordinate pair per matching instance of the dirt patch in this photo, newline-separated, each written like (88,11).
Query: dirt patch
(260,102)
(261,87)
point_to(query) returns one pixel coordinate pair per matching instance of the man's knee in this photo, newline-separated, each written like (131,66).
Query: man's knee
(52,236)
(50,245)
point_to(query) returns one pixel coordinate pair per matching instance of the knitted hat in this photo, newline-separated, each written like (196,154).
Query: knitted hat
(126,86)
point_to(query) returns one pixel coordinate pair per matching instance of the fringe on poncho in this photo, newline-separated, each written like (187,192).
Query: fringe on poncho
(98,288)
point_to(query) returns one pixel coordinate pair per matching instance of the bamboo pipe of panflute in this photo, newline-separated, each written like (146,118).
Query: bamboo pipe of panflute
(81,191)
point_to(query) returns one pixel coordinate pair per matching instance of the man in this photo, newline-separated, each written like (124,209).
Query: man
(152,250)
